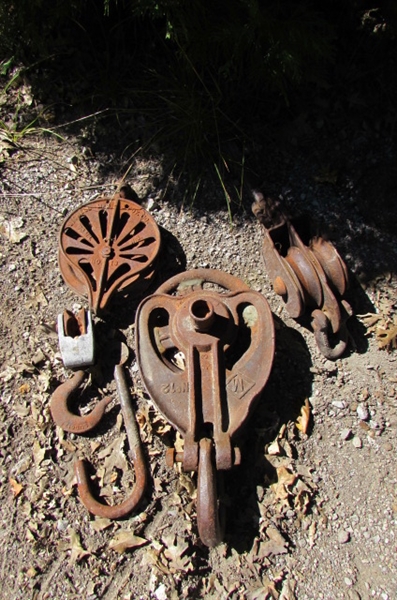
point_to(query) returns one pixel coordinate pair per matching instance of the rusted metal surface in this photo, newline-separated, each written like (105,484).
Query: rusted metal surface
(205,357)
(308,276)
(106,246)
(77,349)
(64,418)
(208,519)
(118,511)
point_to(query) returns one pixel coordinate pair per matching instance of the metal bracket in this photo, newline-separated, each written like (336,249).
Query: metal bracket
(78,351)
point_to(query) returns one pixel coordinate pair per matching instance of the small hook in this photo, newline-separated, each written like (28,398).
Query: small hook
(137,456)
(208,523)
(321,326)
(67,420)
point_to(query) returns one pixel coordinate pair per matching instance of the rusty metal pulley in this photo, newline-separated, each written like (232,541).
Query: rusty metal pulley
(205,356)
(107,246)
(307,276)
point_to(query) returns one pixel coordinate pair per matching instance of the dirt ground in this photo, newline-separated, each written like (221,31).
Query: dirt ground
(311,512)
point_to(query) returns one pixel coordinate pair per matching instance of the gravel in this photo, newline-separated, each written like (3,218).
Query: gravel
(341,543)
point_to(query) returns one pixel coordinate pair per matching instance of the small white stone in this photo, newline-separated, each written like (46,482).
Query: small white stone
(362,412)
(345,434)
(338,404)
(357,443)
(343,537)
(161,593)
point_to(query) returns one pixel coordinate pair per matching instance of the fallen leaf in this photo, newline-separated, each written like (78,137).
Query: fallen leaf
(31,572)
(11,229)
(288,590)
(186,482)
(100,524)
(274,545)
(175,554)
(24,388)
(302,422)
(387,337)
(369,319)
(259,594)
(16,487)
(285,479)
(77,551)
(38,453)
(274,448)
(179,442)
(125,540)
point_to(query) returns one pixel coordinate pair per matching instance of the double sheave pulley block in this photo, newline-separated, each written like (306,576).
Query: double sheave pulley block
(204,340)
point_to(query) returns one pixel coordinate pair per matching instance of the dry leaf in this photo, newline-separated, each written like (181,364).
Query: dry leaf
(77,551)
(38,453)
(16,487)
(125,540)
(259,594)
(369,319)
(276,544)
(11,229)
(271,548)
(31,572)
(285,479)
(302,422)
(288,590)
(24,388)
(274,448)
(174,553)
(387,337)
(100,524)
(187,483)
(179,442)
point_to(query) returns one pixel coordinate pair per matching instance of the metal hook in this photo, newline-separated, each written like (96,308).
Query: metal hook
(67,420)
(209,528)
(321,326)
(121,510)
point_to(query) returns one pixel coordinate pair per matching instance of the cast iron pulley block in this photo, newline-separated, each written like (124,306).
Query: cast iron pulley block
(107,246)
(308,276)
(205,356)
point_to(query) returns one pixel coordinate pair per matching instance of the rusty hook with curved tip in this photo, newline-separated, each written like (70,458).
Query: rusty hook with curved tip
(121,510)
(67,420)
(321,326)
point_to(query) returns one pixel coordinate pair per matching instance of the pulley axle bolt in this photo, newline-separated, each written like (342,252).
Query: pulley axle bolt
(172,457)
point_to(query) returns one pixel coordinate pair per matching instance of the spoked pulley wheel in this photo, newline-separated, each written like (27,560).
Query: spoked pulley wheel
(106,246)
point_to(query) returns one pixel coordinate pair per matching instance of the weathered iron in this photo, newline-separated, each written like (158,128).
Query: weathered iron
(77,348)
(311,276)
(106,246)
(118,511)
(205,357)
